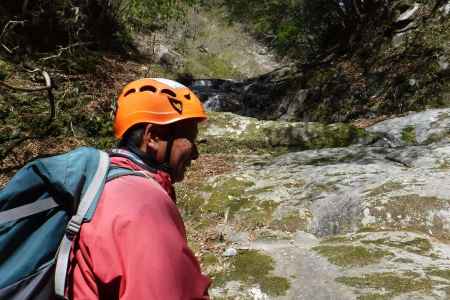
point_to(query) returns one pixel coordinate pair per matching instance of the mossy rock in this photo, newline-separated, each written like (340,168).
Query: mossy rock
(229,133)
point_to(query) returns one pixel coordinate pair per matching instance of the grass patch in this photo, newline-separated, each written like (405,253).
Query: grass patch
(393,283)
(348,255)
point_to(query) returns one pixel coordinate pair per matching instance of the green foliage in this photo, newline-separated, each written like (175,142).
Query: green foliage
(51,25)
(149,15)
(279,23)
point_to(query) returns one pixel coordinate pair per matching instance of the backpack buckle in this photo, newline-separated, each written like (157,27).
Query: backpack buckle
(73,227)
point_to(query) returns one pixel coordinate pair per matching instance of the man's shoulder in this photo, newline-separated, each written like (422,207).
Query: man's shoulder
(134,195)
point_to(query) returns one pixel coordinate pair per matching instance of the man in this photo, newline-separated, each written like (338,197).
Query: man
(135,246)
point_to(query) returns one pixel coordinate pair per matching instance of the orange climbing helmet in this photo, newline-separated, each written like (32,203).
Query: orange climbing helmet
(155,100)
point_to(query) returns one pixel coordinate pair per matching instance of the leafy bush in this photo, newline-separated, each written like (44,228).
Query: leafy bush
(46,25)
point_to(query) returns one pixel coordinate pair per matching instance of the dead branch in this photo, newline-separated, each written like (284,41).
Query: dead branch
(356,7)
(6,48)
(48,86)
(5,29)
(62,49)
(10,23)
(24,6)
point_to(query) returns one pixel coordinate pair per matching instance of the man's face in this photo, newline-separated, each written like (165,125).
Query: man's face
(184,149)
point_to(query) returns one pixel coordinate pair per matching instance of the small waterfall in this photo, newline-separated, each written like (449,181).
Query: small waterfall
(213,103)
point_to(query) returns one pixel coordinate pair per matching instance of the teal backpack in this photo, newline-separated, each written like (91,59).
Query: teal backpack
(41,211)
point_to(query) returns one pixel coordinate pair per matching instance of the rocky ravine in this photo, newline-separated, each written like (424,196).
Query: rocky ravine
(369,219)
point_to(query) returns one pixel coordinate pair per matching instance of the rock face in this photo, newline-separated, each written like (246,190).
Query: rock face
(357,221)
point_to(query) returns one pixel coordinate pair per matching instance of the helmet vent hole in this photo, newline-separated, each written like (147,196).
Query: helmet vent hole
(187,96)
(168,92)
(129,92)
(148,88)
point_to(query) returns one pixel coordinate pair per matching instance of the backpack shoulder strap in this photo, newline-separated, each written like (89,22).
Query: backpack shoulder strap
(117,171)
(75,222)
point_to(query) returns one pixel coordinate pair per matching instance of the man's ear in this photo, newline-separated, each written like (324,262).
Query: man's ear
(148,138)
(148,132)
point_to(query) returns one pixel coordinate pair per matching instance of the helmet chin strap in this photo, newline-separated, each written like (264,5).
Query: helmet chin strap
(150,160)
(168,154)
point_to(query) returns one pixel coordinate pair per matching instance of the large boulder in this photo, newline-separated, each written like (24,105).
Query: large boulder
(227,132)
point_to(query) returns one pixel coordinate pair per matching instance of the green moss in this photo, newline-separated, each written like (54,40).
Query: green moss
(386,187)
(336,135)
(252,267)
(403,260)
(348,255)
(228,194)
(274,285)
(375,297)
(189,202)
(257,215)
(209,259)
(275,137)
(394,283)
(439,273)
(336,239)
(321,76)
(299,183)
(409,134)
(261,190)
(417,245)
(5,69)
(444,165)
(210,65)
(291,222)
(411,212)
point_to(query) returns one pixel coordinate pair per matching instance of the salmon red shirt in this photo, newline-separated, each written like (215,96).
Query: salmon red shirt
(135,245)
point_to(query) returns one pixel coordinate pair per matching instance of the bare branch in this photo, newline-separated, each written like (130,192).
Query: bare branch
(6,48)
(12,23)
(24,6)
(61,50)
(5,29)
(357,11)
(48,86)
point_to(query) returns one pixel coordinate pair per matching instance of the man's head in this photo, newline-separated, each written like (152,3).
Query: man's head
(160,117)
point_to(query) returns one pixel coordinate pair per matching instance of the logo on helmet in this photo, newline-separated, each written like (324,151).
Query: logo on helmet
(176,104)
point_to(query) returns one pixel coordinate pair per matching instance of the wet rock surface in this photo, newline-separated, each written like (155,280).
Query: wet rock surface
(357,221)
